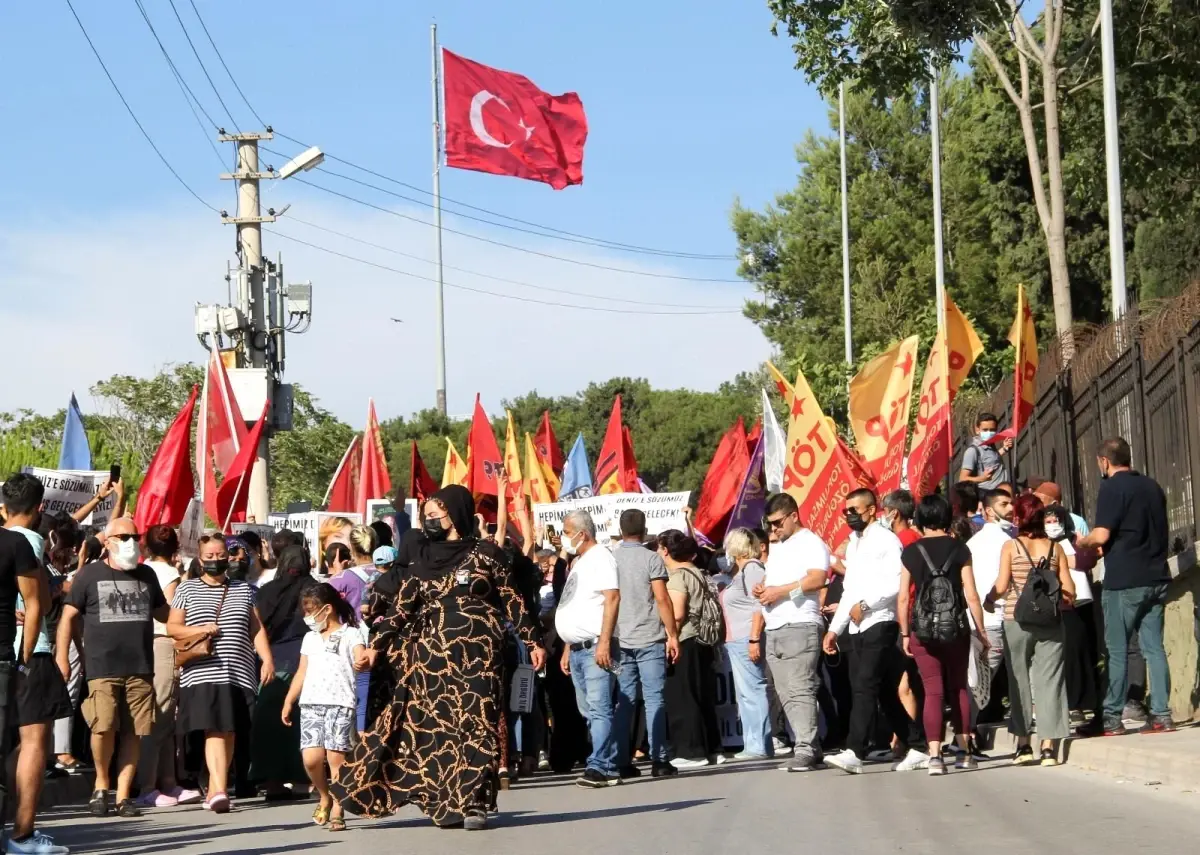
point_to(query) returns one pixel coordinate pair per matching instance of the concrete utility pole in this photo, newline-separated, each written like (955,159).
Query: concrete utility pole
(252,299)
(1112,160)
(846,320)
(439,298)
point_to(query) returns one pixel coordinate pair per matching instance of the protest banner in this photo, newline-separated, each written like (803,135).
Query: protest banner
(264,532)
(68,490)
(663,511)
(726,703)
(308,524)
(191,528)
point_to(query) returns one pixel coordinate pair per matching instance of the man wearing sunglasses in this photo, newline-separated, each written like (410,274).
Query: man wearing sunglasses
(119,599)
(796,568)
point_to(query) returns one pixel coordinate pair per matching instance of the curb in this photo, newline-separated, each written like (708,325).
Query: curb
(1170,759)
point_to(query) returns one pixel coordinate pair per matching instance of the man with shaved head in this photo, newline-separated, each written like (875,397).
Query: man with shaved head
(118,598)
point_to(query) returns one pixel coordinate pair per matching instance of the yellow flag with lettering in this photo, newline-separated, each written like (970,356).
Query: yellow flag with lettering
(456,470)
(512,458)
(879,405)
(541,485)
(1023,336)
(815,474)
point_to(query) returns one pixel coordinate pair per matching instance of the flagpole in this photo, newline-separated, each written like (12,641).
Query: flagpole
(935,128)
(440,331)
(1112,159)
(845,227)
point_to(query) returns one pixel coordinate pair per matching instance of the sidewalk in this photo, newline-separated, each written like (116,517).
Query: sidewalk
(1172,759)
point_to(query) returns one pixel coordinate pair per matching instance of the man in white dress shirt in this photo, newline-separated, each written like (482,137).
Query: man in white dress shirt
(866,614)
(986,546)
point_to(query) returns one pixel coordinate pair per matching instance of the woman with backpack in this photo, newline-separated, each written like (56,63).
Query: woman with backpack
(937,587)
(691,687)
(1034,582)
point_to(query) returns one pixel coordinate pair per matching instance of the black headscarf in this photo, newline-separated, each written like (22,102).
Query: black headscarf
(279,600)
(438,559)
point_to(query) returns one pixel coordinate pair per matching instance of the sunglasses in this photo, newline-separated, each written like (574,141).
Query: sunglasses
(777,523)
(124,537)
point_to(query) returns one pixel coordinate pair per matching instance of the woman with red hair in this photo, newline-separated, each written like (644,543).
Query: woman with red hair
(1033,645)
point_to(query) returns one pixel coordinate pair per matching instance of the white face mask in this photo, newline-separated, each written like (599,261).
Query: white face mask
(568,543)
(314,624)
(1055,531)
(127,554)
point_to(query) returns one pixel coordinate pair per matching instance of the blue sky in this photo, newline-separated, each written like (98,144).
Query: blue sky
(690,105)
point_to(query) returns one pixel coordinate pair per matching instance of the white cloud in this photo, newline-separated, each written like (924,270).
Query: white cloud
(115,295)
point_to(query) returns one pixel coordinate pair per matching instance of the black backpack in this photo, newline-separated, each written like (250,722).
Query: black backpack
(1041,598)
(940,614)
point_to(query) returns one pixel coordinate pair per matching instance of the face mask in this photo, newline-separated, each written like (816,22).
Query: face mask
(127,554)
(314,624)
(888,521)
(238,568)
(857,523)
(1009,527)
(1055,531)
(568,544)
(985,435)
(434,531)
(215,567)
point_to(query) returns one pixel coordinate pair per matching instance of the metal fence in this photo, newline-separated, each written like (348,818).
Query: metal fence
(1139,381)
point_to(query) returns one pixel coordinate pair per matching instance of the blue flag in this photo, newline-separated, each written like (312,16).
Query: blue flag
(752,498)
(577,475)
(75,453)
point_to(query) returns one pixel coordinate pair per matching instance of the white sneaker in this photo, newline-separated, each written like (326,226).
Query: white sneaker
(720,759)
(36,844)
(744,756)
(847,761)
(681,763)
(966,762)
(782,749)
(912,761)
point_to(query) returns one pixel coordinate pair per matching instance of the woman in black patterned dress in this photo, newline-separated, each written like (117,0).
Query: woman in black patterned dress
(437,743)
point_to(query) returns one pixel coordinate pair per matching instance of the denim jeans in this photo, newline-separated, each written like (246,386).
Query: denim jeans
(647,667)
(750,686)
(594,693)
(1128,611)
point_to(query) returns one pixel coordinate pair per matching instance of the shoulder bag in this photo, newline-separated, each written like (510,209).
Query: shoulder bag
(188,651)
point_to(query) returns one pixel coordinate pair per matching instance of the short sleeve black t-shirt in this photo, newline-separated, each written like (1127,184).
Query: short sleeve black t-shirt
(1134,510)
(16,559)
(940,549)
(118,627)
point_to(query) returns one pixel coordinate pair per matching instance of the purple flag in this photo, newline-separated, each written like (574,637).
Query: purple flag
(752,497)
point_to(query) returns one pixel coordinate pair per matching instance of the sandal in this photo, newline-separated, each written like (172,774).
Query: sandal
(321,814)
(338,823)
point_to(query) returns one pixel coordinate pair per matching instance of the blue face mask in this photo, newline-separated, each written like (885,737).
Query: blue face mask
(985,435)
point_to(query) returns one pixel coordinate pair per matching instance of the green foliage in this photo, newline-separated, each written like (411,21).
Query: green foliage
(304,459)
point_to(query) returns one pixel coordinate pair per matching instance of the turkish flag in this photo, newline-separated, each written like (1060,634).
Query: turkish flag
(168,487)
(342,495)
(499,122)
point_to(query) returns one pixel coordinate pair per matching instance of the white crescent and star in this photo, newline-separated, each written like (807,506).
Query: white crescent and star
(478,126)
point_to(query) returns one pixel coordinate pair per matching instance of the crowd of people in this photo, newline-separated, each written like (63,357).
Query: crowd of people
(437,664)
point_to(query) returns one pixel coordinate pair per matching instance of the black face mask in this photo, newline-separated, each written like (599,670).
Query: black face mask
(238,568)
(857,523)
(215,568)
(434,531)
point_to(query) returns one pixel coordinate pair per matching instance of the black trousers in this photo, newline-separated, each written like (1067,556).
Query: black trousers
(691,697)
(876,665)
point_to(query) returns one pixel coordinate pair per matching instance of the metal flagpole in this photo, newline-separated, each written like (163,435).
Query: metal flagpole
(439,300)
(845,227)
(935,129)
(1112,157)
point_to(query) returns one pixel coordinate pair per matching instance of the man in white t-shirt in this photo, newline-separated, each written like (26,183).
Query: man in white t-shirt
(586,620)
(986,546)
(796,570)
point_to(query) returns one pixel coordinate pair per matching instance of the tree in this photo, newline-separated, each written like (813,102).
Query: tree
(885,47)
(304,459)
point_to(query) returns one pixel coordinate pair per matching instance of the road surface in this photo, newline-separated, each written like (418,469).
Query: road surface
(729,810)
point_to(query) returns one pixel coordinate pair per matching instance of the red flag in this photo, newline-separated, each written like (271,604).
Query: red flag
(342,494)
(169,485)
(854,463)
(484,454)
(616,470)
(500,122)
(753,437)
(420,483)
(235,489)
(220,434)
(547,445)
(722,483)
(375,482)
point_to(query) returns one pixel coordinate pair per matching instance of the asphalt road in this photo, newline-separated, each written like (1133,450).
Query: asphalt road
(731,809)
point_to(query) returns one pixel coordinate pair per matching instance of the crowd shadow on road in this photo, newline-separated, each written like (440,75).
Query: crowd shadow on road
(146,837)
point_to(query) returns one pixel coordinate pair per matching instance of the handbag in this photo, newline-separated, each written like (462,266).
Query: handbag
(188,651)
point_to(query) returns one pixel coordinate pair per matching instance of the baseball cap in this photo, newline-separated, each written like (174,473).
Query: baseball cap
(1050,490)
(383,556)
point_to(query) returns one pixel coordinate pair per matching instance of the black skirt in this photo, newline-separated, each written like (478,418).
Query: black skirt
(214,708)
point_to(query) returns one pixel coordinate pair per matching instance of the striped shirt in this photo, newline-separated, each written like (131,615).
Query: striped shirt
(233,659)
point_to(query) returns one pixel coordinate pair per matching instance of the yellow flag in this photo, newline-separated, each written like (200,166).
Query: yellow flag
(512,458)
(815,474)
(540,484)
(879,403)
(964,345)
(785,388)
(1023,336)
(456,470)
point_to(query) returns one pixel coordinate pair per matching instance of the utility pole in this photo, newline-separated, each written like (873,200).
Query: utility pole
(935,127)
(845,229)
(440,329)
(1112,159)
(252,300)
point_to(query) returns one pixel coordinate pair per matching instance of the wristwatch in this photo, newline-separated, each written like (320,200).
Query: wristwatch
(755,641)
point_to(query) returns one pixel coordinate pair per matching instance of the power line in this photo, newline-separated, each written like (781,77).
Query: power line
(524,249)
(232,80)
(203,68)
(595,241)
(184,89)
(399,272)
(133,115)
(497,278)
